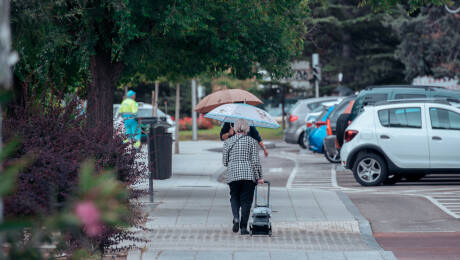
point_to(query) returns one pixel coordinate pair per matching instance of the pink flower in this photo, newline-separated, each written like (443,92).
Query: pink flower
(90,216)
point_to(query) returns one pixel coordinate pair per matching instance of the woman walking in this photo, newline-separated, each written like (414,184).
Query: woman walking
(241,157)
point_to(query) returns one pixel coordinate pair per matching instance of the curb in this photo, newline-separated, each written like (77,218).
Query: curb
(364,226)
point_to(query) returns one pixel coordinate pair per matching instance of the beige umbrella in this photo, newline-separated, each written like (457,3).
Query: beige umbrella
(226,96)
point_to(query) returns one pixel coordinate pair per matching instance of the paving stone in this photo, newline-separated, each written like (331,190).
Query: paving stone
(175,255)
(251,256)
(325,256)
(210,255)
(363,255)
(288,255)
(388,255)
(191,218)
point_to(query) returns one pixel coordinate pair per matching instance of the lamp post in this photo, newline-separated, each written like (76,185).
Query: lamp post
(194,123)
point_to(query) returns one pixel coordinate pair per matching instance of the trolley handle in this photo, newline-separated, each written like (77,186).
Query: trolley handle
(268,195)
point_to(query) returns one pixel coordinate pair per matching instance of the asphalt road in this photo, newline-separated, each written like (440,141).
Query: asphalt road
(415,220)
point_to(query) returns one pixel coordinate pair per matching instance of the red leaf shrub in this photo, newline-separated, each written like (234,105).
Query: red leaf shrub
(59,141)
(185,123)
(203,123)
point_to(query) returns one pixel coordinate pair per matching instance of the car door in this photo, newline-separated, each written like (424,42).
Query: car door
(402,135)
(444,136)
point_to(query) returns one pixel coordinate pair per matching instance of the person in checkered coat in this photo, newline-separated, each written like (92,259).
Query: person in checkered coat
(241,157)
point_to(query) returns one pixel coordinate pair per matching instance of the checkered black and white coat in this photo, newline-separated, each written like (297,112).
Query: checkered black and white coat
(241,157)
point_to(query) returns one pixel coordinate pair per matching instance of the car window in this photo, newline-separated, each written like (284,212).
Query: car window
(323,114)
(373,98)
(299,108)
(356,107)
(315,105)
(364,100)
(444,119)
(339,109)
(401,117)
(408,93)
(147,112)
(408,96)
(446,93)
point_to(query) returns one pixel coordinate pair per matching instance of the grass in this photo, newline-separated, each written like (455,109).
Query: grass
(213,134)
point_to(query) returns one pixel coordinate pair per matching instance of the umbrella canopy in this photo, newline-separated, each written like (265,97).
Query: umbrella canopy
(226,96)
(232,112)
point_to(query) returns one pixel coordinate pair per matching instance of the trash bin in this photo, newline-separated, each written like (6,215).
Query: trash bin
(160,153)
(159,143)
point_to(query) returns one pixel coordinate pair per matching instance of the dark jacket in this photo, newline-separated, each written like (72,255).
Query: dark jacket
(252,132)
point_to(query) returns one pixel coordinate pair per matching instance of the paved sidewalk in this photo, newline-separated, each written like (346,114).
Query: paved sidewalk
(191,219)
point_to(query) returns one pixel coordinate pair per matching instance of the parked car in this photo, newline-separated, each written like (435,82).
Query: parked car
(374,94)
(145,110)
(274,108)
(313,116)
(294,133)
(317,135)
(310,120)
(331,146)
(410,137)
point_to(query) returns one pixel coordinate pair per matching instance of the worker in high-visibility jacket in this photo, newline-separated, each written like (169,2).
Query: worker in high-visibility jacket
(128,111)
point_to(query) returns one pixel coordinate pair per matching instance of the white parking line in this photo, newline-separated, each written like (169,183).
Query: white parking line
(293,173)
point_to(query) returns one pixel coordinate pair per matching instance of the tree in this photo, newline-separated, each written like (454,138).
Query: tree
(430,42)
(354,41)
(98,43)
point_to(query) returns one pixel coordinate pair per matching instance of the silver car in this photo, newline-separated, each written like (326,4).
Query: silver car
(296,121)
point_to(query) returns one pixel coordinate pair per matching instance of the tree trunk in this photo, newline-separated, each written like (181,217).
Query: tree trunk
(104,77)
(176,147)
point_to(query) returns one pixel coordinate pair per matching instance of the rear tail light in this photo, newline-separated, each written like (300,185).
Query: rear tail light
(309,124)
(293,118)
(320,123)
(329,128)
(349,135)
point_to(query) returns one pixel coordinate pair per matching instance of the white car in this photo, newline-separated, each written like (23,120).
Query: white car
(145,110)
(402,137)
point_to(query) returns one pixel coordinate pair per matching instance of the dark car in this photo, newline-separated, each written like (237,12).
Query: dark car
(374,94)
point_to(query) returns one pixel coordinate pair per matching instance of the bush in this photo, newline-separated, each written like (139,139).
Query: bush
(59,141)
(203,123)
(185,123)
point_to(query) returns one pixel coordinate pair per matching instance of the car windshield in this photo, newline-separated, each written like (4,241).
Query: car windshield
(316,105)
(324,113)
(147,112)
(339,109)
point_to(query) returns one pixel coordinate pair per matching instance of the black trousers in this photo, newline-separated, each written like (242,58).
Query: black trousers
(241,196)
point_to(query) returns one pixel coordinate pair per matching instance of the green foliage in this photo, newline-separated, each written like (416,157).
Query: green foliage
(429,42)
(387,5)
(353,41)
(178,39)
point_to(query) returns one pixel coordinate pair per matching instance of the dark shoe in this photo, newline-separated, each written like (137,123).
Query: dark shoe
(244,231)
(236,225)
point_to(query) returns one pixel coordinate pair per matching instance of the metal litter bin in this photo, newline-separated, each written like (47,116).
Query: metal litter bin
(160,153)
(159,143)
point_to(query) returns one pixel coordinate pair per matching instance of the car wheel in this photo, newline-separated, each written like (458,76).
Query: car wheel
(414,177)
(393,178)
(370,169)
(301,140)
(332,158)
